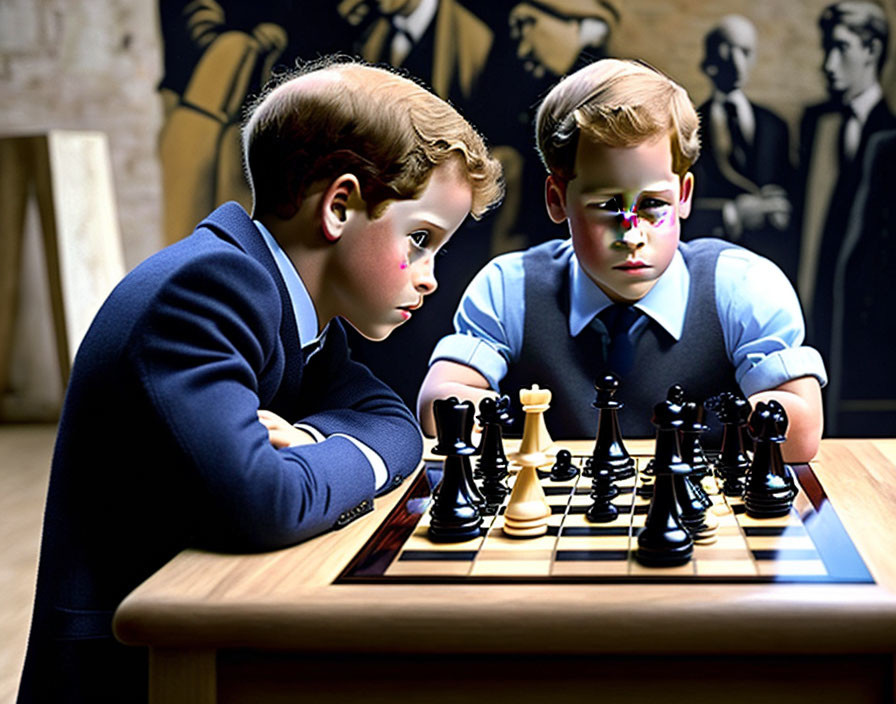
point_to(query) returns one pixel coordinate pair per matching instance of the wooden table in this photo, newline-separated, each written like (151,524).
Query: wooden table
(274,628)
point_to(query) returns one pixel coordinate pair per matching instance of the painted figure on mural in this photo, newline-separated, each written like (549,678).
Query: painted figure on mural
(863,327)
(833,140)
(742,176)
(217,54)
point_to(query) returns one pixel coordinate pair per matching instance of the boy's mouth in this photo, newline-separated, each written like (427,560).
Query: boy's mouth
(632,265)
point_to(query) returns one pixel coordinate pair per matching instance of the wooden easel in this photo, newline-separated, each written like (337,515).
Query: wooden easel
(70,175)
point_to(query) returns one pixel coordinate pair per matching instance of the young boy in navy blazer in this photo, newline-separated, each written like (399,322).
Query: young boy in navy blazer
(623,294)
(213,402)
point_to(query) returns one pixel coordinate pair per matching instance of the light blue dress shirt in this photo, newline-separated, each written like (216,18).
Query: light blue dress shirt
(761,318)
(306,322)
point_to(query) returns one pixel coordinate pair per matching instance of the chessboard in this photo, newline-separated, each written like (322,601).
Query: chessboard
(808,545)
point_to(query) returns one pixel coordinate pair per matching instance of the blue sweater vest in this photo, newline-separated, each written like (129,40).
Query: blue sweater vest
(568,366)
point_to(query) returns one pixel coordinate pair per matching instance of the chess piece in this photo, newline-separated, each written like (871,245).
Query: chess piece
(664,541)
(733,462)
(609,450)
(769,490)
(454,515)
(527,512)
(492,464)
(603,492)
(691,450)
(675,395)
(692,509)
(536,443)
(563,469)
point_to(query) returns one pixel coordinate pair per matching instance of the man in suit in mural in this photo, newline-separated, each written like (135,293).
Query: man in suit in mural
(863,327)
(834,137)
(217,54)
(744,169)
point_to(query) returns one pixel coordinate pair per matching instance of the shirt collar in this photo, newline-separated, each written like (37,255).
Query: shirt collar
(665,303)
(864,103)
(302,305)
(415,24)
(741,103)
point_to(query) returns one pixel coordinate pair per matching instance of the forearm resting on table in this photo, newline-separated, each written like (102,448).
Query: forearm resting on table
(446,379)
(801,399)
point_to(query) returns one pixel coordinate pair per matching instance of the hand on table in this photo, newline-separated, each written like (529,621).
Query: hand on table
(282,433)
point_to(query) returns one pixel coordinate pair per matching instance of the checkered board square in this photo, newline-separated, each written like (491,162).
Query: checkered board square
(807,545)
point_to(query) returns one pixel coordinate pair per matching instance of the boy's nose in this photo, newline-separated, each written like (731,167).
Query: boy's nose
(631,237)
(425,279)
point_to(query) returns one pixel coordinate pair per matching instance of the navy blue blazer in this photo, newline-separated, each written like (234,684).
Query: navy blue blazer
(159,447)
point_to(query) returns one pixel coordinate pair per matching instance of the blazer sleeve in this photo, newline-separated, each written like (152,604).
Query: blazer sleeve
(350,400)
(208,347)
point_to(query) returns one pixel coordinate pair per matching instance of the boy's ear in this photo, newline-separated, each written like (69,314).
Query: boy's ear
(686,195)
(555,198)
(336,204)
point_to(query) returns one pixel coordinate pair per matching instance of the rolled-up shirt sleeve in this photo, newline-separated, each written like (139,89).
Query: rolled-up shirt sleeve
(762,323)
(488,332)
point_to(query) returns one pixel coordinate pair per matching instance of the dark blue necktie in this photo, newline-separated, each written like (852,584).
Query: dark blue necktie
(620,320)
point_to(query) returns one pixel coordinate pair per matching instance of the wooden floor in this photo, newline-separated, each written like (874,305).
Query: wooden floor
(25,452)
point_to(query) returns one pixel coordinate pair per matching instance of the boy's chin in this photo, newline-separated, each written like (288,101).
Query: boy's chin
(374,333)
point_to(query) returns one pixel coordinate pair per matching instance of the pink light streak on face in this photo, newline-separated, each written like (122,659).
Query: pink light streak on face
(404,265)
(629,219)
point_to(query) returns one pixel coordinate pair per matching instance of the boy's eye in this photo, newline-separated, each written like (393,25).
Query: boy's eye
(652,204)
(421,239)
(613,205)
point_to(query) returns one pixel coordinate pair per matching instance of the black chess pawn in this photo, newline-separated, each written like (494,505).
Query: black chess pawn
(454,515)
(609,449)
(675,394)
(603,492)
(563,469)
(769,490)
(492,463)
(733,411)
(691,448)
(664,541)
(691,451)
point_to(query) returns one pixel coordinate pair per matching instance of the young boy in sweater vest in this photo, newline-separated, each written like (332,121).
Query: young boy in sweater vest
(622,293)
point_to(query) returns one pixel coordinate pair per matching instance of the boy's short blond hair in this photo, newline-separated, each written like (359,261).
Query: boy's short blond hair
(617,103)
(387,130)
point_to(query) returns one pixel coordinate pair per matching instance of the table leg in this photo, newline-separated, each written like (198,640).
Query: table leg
(181,676)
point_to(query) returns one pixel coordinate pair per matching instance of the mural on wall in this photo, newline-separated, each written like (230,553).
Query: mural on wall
(744,173)
(493,61)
